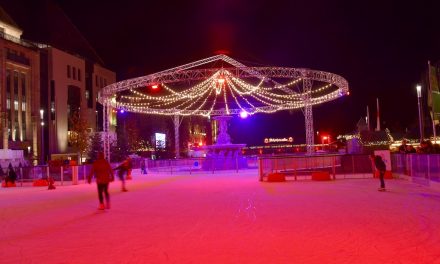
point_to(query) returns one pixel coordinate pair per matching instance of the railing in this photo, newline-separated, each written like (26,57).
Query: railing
(62,175)
(422,168)
(202,165)
(16,40)
(339,166)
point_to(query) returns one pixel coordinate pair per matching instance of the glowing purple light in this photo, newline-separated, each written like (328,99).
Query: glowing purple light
(122,111)
(243,114)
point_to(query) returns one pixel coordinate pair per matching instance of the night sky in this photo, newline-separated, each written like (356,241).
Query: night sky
(380,47)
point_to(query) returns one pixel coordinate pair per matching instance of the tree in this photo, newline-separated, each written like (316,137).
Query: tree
(96,145)
(132,135)
(79,133)
(120,150)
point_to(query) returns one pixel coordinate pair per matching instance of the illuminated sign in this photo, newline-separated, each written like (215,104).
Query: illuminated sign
(278,140)
(160,140)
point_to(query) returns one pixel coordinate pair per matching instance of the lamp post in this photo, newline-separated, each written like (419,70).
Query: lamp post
(419,101)
(42,135)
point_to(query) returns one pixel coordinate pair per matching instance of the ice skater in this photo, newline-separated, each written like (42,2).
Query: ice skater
(11,176)
(143,167)
(103,173)
(381,168)
(123,169)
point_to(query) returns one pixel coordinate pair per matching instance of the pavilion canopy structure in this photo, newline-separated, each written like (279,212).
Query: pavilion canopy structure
(227,87)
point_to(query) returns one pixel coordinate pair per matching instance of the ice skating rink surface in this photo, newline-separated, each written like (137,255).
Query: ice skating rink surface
(222,218)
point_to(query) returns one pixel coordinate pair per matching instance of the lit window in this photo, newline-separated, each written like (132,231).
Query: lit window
(8,103)
(15,104)
(23,106)
(87,94)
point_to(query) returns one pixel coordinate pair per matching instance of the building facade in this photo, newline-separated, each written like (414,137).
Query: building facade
(71,86)
(19,90)
(41,87)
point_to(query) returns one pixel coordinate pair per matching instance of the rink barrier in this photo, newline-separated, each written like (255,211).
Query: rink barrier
(420,168)
(303,167)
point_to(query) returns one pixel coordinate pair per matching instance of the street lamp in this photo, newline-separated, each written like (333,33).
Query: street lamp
(42,135)
(419,101)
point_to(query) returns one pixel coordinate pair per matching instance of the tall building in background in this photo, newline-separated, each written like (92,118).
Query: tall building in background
(46,80)
(70,84)
(19,89)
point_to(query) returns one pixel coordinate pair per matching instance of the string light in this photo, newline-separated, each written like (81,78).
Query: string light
(202,98)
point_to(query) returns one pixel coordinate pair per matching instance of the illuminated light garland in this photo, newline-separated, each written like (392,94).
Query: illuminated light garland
(194,100)
(242,97)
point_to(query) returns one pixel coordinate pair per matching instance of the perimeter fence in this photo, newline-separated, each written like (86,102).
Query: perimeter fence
(421,168)
(301,167)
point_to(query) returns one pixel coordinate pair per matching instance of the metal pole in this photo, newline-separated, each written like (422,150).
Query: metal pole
(42,136)
(176,136)
(432,103)
(308,115)
(419,101)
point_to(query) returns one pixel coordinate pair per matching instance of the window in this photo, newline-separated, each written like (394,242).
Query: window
(74,73)
(16,85)
(96,81)
(23,106)
(8,81)
(23,85)
(52,100)
(87,95)
(8,103)
(68,71)
(15,105)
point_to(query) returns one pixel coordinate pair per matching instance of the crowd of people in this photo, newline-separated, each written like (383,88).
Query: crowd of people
(425,147)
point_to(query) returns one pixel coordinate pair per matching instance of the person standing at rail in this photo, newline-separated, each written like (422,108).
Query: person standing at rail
(380,166)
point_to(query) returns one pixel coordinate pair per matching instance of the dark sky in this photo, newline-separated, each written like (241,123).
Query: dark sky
(380,47)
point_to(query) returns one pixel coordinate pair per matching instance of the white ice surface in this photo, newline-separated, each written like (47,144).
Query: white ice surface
(222,218)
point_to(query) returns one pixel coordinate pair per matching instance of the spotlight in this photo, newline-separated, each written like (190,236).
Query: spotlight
(244,114)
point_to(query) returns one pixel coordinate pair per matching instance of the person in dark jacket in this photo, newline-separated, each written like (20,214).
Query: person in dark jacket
(11,176)
(103,173)
(381,168)
(143,167)
(123,169)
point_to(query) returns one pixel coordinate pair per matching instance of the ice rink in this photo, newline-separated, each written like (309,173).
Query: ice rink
(222,218)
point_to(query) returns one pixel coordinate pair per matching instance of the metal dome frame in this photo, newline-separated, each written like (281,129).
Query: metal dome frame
(184,73)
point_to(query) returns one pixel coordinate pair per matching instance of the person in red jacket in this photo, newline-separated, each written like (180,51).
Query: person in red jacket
(103,173)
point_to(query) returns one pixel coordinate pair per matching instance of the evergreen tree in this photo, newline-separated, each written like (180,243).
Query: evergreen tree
(79,137)
(121,149)
(96,146)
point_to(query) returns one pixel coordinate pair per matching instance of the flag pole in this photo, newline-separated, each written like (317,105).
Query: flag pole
(378,115)
(432,103)
(368,118)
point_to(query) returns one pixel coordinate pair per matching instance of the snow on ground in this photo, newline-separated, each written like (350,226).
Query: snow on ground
(222,218)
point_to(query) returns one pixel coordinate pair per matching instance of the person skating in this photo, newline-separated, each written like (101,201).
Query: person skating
(103,173)
(122,170)
(381,168)
(143,167)
(11,176)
